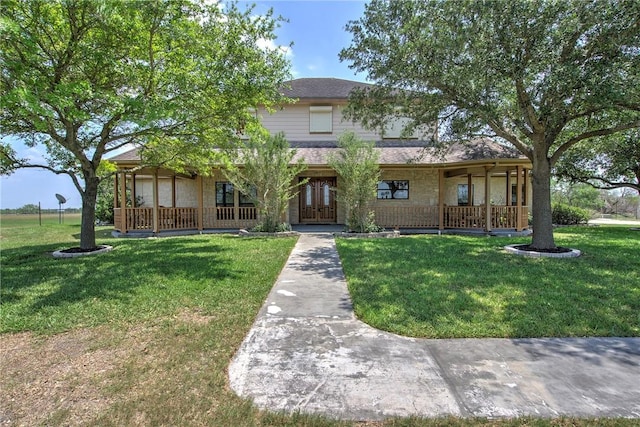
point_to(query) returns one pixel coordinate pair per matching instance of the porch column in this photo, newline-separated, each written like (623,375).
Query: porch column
(519,218)
(156,204)
(487,197)
(173,191)
(236,204)
(133,191)
(508,197)
(470,190)
(123,203)
(115,190)
(441,199)
(200,203)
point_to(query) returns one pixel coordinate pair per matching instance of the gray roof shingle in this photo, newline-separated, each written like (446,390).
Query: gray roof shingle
(321,88)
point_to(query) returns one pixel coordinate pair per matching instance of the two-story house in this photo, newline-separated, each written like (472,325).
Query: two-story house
(482,185)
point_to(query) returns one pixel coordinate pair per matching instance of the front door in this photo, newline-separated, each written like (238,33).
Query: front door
(318,201)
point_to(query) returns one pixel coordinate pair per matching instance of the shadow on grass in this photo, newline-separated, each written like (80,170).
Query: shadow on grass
(156,273)
(468,287)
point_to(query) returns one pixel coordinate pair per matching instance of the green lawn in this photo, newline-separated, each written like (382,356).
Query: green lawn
(141,279)
(455,286)
(143,335)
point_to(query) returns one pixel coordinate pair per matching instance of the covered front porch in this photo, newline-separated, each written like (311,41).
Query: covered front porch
(160,201)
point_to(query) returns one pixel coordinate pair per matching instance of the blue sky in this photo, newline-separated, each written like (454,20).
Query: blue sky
(316,29)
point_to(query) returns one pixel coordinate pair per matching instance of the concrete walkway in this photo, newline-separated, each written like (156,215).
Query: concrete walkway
(307,352)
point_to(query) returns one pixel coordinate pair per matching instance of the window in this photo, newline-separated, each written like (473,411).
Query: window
(463,195)
(393,190)
(514,195)
(321,119)
(224,194)
(247,200)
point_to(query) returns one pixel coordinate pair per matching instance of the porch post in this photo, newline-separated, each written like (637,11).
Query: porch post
(518,198)
(487,197)
(115,190)
(156,204)
(508,196)
(470,189)
(133,191)
(200,203)
(236,204)
(173,191)
(123,203)
(441,199)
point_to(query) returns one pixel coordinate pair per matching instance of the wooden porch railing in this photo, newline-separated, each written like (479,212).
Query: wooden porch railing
(502,217)
(139,218)
(464,217)
(230,217)
(407,216)
(177,218)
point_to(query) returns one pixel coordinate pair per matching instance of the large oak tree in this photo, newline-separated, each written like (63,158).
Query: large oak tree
(540,75)
(83,78)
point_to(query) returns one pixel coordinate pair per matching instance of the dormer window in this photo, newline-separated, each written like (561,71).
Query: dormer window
(321,119)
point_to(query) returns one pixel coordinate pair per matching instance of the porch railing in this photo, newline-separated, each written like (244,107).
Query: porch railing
(502,217)
(473,217)
(230,217)
(177,218)
(407,216)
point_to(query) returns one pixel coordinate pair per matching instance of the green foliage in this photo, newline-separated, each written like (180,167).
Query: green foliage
(569,215)
(612,163)
(581,195)
(267,175)
(357,165)
(541,75)
(85,78)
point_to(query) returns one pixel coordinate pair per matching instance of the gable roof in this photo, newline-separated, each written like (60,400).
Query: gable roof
(321,88)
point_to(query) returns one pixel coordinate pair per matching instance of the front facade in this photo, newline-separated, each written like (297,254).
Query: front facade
(481,185)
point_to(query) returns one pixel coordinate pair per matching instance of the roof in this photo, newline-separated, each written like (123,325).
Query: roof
(392,152)
(321,88)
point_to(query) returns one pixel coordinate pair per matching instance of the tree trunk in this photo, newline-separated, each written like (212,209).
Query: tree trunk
(541,204)
(88,226)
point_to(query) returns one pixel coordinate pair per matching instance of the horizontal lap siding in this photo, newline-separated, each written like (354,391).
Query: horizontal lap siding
(293,120)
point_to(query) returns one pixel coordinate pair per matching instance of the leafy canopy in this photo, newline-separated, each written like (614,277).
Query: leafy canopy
(542,76)
(83,78)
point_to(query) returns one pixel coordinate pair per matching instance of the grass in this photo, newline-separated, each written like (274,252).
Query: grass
(143,335)
(139,281)
(455,286)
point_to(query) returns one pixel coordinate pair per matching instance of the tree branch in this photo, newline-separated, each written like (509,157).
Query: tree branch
(591,134)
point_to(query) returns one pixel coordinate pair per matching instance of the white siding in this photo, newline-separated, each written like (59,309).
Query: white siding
(293,120)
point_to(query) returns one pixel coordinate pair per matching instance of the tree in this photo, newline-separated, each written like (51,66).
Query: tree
(357,165)
(266,175)
(83,78)
(578,195)
(611,164)
(542,76)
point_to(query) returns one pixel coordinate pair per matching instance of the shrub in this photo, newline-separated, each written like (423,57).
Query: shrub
(569,215)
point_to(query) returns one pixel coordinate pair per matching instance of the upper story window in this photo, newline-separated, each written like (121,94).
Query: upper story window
(395,126)
(321,119)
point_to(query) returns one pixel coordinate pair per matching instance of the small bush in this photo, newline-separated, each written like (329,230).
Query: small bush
(264,228)
(569,215)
